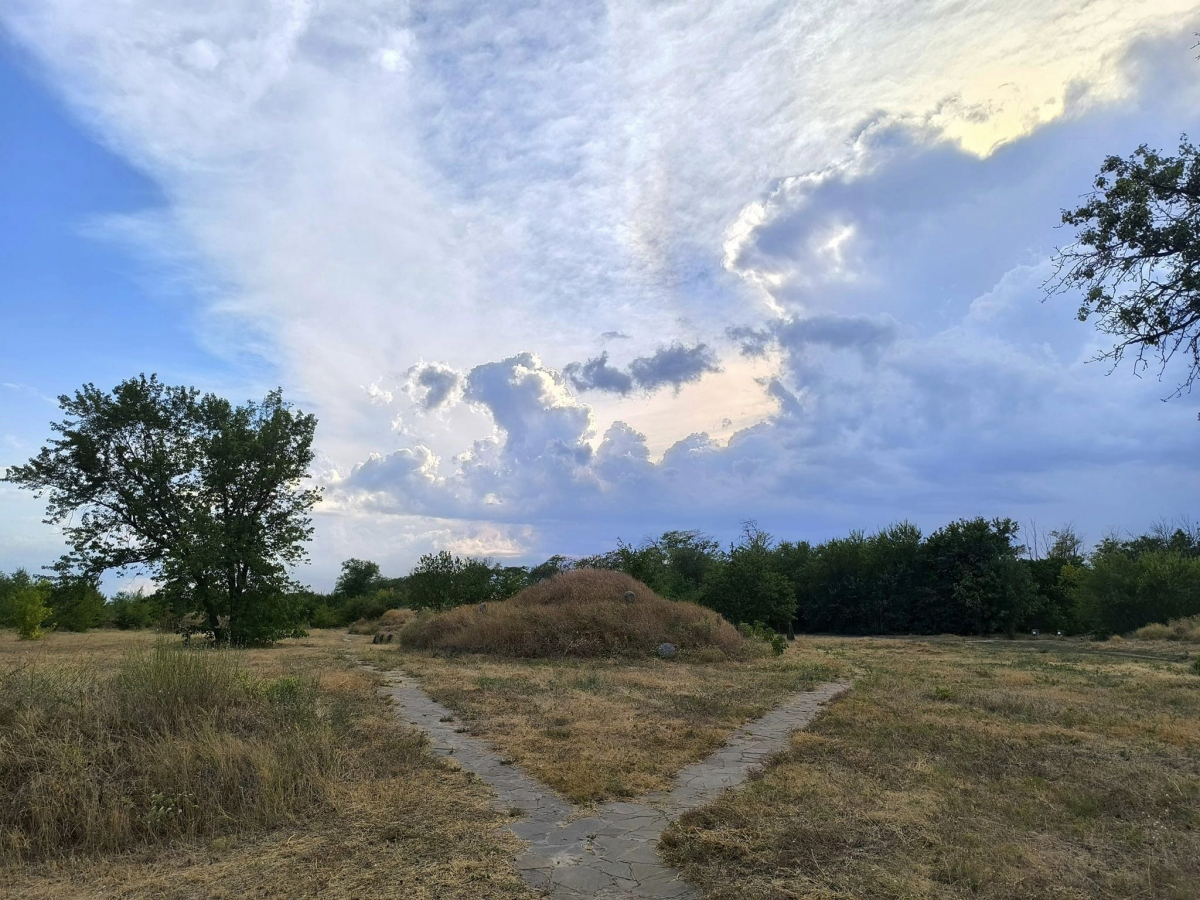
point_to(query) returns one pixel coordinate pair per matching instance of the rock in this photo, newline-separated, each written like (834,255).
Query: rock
(666,651)
(629,596)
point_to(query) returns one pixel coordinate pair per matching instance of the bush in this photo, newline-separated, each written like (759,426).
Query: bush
(176,742)
(30,609)
(577,613)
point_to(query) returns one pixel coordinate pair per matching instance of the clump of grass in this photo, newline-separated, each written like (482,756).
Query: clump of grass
(1186,629)
(175,741)
(582,613)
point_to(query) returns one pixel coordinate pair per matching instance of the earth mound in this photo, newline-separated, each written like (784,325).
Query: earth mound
(586,612)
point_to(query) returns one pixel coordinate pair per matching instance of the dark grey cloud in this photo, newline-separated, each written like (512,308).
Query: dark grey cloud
(750,341)
(869,335)
(614,336)
(597,375)
(433,384)
(674,365)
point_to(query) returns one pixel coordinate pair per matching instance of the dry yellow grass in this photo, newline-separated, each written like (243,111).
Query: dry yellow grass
(394,821)
(581,613)
(1187,629)
(596,729)
(953,770)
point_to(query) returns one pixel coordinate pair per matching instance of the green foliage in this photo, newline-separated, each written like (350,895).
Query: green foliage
(746,586)
(674,565)
(1136,261)
(977,582)
(778,644)
(864,585)
(1196,665)
(76,603)
(129,610)
(9,585)
(1120,591)
(204,495)
(442,580)
(30,609)
(359,577)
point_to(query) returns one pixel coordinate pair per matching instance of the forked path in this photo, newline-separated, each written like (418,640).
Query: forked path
(610,852)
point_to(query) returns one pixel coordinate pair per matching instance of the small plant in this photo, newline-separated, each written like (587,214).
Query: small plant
(1196,665)
(169,812)
(778,644)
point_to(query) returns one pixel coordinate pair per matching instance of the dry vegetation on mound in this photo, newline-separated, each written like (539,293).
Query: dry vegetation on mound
(579,613)
(1176,630)
(957,770)
(597,729)
(380,817)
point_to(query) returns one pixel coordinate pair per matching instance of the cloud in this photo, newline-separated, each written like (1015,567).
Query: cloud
(674,365)
(433,385)
(597,375)
(355,187)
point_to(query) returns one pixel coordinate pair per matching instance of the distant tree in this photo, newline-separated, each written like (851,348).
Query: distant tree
(977,580)
(134,609)
(551,567)
(76,603)
(359,577)
(1137,257)
(442,580)
(206,496)
(1118,592)
(746,586)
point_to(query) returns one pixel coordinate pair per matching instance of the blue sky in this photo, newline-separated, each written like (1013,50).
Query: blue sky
(553,274)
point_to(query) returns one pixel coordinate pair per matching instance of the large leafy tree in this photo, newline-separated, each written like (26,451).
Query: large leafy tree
(1136,260)
(206,496)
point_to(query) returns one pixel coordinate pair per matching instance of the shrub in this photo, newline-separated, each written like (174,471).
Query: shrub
(577,613)
(176,742)
(325,617)
(30,609)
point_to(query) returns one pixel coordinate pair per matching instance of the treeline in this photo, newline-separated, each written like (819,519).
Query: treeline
(972,576)
(32,603)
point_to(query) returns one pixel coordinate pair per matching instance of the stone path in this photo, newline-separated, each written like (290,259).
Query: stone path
(610,852)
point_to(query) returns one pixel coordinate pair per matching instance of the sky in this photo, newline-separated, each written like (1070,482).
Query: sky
(554,274)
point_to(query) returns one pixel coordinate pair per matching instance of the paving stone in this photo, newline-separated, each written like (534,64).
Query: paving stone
(611,852)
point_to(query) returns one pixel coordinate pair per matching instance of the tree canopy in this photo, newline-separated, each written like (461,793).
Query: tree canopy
(206,496)
(1136,260)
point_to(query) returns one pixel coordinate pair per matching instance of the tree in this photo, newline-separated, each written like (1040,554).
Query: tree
(1137,256)
(205,496)
(76,602)
(977,581)
(359,577)
(746,587)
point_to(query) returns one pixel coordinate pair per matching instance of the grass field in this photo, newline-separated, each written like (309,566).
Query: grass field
(956,769)
(953,769)
(600,729)
(389,819)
